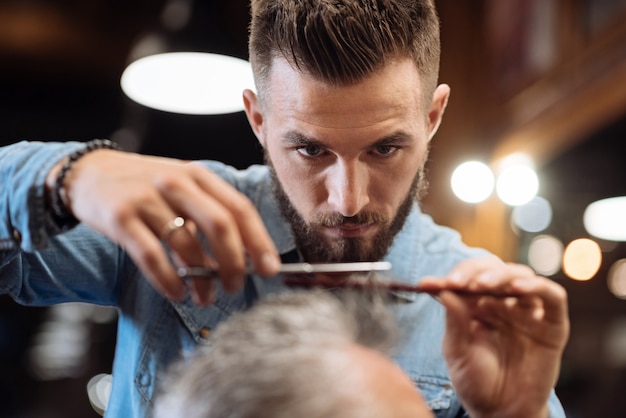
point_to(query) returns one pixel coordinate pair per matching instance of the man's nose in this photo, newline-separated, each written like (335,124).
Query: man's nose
(348,187)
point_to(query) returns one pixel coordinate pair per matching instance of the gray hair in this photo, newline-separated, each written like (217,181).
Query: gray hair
(285,357)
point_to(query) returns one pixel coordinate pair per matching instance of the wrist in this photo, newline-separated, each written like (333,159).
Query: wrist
(56,187)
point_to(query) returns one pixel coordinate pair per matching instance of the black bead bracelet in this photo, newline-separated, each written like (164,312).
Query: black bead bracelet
(61,213)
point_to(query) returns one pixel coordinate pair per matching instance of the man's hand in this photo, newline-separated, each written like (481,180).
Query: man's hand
(132,198)
(506,330)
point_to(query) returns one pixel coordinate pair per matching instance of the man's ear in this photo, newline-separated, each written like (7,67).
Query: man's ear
(254,115)
(437,108)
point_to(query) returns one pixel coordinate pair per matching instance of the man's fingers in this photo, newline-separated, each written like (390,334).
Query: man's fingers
(149,254)
(225,242)
(492,276)
(457,337)
(259,245)
(553,296)
(254,236)
(213,219)
(480,276)
(186,250)
(468,270)
(508,295)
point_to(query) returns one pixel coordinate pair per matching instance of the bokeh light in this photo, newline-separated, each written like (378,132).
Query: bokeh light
(544,254)
(617,278)
(606,219)
(99,392)
(472,181)
(534,216)
(582,259)
(517,185)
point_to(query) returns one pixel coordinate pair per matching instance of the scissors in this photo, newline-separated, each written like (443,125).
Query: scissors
(299,269)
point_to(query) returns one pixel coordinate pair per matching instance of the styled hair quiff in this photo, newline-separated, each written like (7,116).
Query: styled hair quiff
(341,42)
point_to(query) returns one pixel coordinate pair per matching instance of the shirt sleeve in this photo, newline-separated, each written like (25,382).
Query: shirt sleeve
(25,222)
(38,264)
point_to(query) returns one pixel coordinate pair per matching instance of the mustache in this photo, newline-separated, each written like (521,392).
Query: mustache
(337,219)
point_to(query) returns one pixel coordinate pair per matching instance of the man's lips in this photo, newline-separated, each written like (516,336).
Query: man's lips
(348,230)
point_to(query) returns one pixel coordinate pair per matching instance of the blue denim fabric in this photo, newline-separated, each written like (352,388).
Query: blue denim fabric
(38,266)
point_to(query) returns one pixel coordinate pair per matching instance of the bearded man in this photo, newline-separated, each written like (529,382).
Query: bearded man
(347,103)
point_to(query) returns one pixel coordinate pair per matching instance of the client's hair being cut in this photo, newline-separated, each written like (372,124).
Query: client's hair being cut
(285,357)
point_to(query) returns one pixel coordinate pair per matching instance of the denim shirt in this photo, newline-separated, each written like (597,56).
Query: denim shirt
(41,266)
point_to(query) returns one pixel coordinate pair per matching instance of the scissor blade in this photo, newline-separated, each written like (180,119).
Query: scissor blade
(300,268)
(359,267)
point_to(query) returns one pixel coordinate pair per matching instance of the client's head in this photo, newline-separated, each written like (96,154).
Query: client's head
(300,354)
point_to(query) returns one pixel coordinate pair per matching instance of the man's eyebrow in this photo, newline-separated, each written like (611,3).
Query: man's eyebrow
(398,137)
(297,138)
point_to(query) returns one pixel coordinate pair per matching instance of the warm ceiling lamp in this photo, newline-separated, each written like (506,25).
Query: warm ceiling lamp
(194,83)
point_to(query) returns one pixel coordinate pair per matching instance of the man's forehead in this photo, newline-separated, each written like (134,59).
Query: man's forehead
(392,93)
(397,73)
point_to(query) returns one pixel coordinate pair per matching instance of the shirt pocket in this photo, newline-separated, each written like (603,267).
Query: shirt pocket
(172,332)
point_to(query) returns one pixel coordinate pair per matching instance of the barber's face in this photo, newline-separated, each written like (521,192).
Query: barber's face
(348,159)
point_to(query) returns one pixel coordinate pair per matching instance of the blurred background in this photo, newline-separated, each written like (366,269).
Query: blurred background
(535,83)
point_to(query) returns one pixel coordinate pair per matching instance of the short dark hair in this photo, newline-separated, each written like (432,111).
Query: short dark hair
(343,41)
(285,357)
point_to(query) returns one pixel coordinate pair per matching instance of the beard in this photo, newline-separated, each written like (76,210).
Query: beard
(315,248)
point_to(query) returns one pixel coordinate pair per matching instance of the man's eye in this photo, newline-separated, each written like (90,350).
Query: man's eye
(310,150)
(386,149)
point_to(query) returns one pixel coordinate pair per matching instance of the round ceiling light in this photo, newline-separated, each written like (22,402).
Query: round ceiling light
(606,219)
(193,83)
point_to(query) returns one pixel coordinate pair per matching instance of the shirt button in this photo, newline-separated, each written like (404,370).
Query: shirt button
(205,333)
(17,236)
(144,379)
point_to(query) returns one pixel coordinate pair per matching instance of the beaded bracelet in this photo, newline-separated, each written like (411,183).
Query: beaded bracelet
(61,213)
